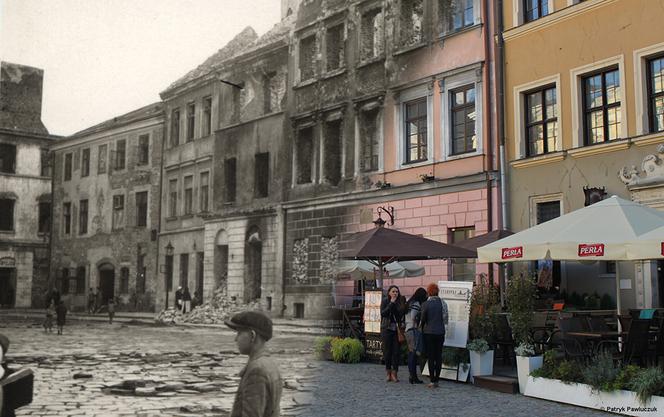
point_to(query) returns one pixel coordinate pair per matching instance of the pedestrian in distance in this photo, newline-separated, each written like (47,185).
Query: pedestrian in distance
(186,300)
(413,334)
(178,299)
(434,318)
(61,315)
(111,310)
(259,392)
(54,297)
(392,310)
(97,300)
(48,321)
(91,301)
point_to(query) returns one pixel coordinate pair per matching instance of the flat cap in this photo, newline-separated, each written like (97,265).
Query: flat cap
(253,320)
(4,342)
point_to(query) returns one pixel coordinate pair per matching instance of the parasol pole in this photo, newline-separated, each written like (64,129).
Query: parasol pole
(618,302)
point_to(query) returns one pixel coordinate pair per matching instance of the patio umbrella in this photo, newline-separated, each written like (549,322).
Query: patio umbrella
(381,246)
(360,270)
(601,231)
(649,245)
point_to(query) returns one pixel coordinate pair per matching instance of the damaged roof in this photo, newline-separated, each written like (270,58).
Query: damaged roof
(151,110)
(243,43)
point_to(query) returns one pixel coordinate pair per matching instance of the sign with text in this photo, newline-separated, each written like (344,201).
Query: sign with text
(510,253)
(593,249)
(7,261)
(372,301)
(457,296)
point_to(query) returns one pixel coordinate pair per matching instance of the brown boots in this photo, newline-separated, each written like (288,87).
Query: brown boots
(392,376)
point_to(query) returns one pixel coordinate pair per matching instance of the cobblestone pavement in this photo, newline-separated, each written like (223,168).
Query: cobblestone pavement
(361,390)
(97,369)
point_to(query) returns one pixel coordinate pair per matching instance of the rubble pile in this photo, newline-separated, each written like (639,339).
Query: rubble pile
(215,311)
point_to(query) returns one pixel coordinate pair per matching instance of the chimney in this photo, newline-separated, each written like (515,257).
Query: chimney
(21,98)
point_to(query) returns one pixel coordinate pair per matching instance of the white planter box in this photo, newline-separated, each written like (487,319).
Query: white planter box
(524,366)
(619,402)
(481,364)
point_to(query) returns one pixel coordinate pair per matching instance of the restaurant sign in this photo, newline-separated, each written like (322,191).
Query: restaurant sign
(593,249)
(457,296)
(372,300)
(510,253)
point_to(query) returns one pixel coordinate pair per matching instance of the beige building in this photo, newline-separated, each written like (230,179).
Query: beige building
(584,97)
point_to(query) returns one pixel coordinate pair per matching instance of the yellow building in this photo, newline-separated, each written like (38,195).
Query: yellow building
(584,109)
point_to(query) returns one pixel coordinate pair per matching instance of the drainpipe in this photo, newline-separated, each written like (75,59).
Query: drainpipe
(490,61)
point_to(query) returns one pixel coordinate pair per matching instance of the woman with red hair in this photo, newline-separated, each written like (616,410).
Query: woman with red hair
(433,319)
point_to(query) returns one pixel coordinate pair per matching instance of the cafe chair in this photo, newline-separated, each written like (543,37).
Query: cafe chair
(635,347)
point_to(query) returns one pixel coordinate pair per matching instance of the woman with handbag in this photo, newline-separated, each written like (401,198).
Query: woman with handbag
(433,319)
(413,334)
(392,310)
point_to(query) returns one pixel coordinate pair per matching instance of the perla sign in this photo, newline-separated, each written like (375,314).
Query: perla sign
(593,249)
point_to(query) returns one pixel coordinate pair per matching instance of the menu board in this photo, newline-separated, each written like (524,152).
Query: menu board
(457,296)
(372,301)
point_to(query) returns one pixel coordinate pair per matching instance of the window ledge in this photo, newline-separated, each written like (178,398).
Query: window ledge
(333,73)
(454,32)
(468,154)
(592,150)
(531,161)
(649,139)
(405,49)
(187,216)
(7,232)
(305,83)
(366,63)
(406,165)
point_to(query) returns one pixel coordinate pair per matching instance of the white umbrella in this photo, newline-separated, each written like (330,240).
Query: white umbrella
(359,269)
(602,231)
(649,245)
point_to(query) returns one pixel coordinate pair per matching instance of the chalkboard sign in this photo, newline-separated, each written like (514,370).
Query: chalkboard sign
(373,348)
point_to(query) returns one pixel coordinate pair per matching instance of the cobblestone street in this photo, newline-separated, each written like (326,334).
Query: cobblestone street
(361,390)
(96,369)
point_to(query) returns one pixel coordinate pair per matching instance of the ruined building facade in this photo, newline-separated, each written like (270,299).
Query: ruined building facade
(25,188)
(106,211)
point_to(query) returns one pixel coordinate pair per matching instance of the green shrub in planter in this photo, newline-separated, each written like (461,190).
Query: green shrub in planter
(322,346)
(478,345)
(625,377)
(648,382)
(346,350)
(601,373)
(568,372)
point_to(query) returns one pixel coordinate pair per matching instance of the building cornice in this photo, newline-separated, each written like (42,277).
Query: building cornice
(105,134)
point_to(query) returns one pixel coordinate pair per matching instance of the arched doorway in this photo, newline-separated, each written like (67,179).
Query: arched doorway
(221,260)
(253,254)
(106,282)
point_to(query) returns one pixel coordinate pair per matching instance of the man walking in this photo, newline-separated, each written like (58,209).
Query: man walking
(259,392)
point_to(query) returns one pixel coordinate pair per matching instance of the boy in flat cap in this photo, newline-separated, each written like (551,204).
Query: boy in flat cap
(259,392)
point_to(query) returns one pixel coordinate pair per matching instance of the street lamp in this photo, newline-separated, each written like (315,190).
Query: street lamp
(169,269)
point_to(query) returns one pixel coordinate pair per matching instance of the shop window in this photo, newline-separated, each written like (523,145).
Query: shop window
(7,214)
(261,175)
(230,172)
(7,158)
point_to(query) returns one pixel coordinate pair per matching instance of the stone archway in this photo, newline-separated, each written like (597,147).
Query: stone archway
(253,254)
(221,260)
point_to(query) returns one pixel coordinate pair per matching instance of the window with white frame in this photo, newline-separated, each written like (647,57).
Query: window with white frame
(541,120)
(655,82)
(173,197)
(415,130)
(601,106)
(649,89)
(188,194)
(534,9)
(463,115)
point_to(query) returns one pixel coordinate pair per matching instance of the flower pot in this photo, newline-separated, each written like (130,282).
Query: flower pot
(525,365)
(480,364)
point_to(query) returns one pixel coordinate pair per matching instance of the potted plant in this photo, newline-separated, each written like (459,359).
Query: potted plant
(521,306)
(484,304)
(427,177)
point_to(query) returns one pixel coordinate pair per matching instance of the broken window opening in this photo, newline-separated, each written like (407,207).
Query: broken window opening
(332,151)
(68,166)
(204,191)
(175,127)
(143,149)
(261,175)
(238,101)
(411,22)
(305,155)
(188,194)
(370,140)
(334,48)
(371,34)
(83,217)
(66,218)
(118,211)
(7,214)
(230,172)
(7,158)
(207,116)
(268,93)
(191,121)
(142,209)
(173,198)
(101,163)
(307,58)
(44,217)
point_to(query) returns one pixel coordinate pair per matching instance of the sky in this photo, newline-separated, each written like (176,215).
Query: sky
(104,58)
